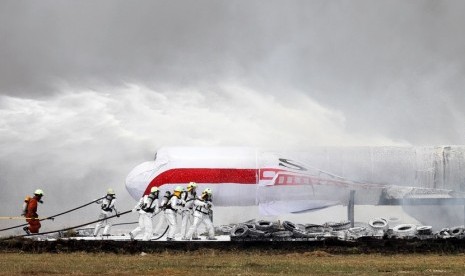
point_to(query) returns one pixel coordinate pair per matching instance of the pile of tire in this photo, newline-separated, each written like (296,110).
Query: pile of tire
(268,230)
(254,230)
(376,228)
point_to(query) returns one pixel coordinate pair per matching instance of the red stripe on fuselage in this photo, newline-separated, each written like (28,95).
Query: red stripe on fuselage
(214,176)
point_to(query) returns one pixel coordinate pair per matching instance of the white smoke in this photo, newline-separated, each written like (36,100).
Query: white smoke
(89,140)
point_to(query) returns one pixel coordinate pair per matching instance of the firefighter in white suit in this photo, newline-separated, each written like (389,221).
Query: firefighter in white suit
(108,206)
(187,213)
(171,208)
(162,220)
(147,207)
(202,212)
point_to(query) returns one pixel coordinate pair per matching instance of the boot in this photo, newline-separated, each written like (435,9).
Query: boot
(26,229)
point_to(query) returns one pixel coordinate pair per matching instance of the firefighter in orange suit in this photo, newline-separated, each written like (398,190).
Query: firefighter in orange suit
(31,213)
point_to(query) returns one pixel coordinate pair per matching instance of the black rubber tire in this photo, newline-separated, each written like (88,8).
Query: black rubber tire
(457,231)
(425,230)
(314,228)
(254,233)
(403,230)
(338,226)
(379,224)
(282,234)
(263,225)
(299,233)
(289,226)
(240,230)
(223,229)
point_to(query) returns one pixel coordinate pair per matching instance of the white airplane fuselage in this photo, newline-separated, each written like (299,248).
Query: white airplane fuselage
(230,172)
(240,176)
(237,176)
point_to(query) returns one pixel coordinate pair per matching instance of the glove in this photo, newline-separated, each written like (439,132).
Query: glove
(117,215)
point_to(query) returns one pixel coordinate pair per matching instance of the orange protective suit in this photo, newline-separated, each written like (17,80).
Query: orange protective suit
(31,215)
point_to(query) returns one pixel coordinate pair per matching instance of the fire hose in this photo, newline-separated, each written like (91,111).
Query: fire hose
(66,229)
(81,225)
(166,230)
(167,227)
(51,217)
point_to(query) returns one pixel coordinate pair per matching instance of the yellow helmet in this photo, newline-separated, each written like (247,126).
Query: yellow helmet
(110,191)
(154,189)
(206,194)
(191,185)
(39,192)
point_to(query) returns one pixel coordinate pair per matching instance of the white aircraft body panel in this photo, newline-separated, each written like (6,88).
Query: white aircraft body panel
(238,177)
(300,181)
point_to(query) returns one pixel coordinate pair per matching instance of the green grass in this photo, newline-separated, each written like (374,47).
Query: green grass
(213,262)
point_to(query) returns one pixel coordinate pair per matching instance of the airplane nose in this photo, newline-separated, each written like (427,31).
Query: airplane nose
(138,179)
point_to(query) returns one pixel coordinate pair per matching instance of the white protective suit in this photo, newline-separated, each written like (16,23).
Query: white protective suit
(162,220)
(187,213)
(147,207)
(201,215)
(108,205)
(170,209)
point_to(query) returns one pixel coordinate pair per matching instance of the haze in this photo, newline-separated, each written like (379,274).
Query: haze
(90,89)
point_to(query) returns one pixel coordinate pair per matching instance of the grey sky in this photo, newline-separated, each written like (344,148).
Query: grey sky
(89,89)
(378,63)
